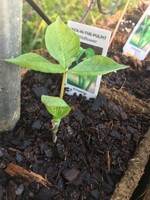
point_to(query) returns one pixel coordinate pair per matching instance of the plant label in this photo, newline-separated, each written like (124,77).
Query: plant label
(94,41)
(138,44)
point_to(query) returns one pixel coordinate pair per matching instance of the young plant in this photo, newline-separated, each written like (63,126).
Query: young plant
(63,44)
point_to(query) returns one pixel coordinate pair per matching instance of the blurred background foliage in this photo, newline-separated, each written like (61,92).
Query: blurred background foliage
(34,27)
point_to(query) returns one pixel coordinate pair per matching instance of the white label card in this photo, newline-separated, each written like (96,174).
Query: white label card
(93,38)
(138,44)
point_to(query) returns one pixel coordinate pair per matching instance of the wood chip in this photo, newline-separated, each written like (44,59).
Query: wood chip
(17,171)
(108,160)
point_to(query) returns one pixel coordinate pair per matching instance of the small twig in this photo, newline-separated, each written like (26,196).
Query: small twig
(89,138)
(37,32)
(108,160)
(14,150)
(85,162)
(122,86)
(58,175)
(17,171)
(119,21)
(119,164)
(142,195)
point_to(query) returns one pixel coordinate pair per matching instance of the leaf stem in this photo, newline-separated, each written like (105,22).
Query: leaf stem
(63,85)
(54,130)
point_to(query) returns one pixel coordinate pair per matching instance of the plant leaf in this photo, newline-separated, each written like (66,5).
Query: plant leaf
(80,53)
(96,65)
(56,106)
(62,42)
(36,62)
(89,52)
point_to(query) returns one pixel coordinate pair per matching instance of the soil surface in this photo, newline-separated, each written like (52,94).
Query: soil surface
(135,80)
(94,145)
(94,142)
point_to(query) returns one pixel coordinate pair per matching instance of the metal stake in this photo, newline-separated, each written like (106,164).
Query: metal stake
(39,11)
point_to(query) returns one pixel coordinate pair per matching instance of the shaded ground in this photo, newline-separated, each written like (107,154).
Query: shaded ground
(135,80)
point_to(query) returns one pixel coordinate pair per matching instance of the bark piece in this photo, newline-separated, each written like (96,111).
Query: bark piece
(129,102)
(71,174)
(15,170)
(125,188)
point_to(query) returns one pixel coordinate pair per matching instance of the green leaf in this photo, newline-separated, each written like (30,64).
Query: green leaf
(36,62)
(96,65)
(79,54)
(89,52)
(62,42)
(56,106)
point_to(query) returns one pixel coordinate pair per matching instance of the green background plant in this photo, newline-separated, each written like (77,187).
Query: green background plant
(34,27)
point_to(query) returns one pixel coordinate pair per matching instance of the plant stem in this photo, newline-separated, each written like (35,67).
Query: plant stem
(54,130)
(63,85)
(119,21)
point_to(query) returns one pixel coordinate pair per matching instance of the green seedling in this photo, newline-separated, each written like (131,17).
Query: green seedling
(58,109)
(63,44)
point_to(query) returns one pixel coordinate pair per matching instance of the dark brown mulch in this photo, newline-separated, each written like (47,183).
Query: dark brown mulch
(135,80)
(94,143)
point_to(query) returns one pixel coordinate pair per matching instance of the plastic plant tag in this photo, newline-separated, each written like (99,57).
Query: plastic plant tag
(138,44)
(94,41)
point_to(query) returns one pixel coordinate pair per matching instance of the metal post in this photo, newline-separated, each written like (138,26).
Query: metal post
(10,46)
(39,11)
